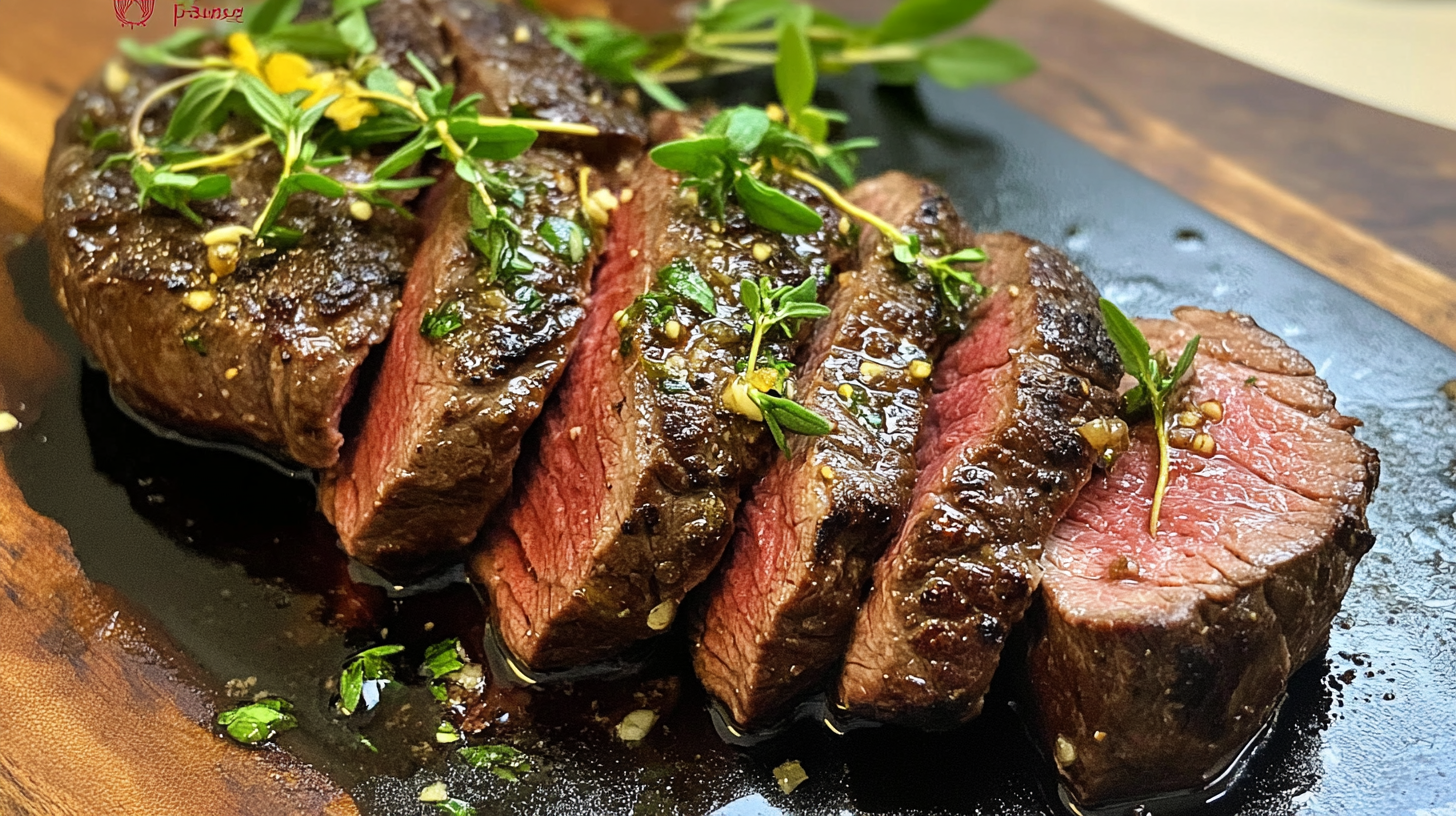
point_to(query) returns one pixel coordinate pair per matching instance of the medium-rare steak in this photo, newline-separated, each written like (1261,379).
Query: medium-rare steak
(629,501)
(266,356)
(1000,460)
(779,611)
(446,415)
(1154,660)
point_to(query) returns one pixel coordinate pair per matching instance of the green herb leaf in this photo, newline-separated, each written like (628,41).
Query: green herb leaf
(1131,345)
(259,721)
(774,210)
(355,32)
(494,142)
(502,760)
(694,156)
(316,183)
(365,675)
(743,126)
(320,39)
(442,321)
(659,92)
(793,416)
(741,15)
(794,72)
(181,45)
(442,658)
(919,19)
(456,807)
(682,280)
(193,340)
(976,61)
(367,743)
(203,98)
(272,109)
(271,15)
(565,237)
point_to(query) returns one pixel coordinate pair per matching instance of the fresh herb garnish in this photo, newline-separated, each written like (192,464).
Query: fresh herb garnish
(446,732)
(367,743)
(441,659)
(316,115)
(193,340)
(258,721)
(761,390)
(678,282)
(502,760)
(728,36)
(566,238)
(1157,382)
(456,807)
(441,321)
(365,676)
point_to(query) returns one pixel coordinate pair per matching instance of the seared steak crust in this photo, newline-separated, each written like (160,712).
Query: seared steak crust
(779,611)
(504,53)
(630,501)
(1000,461)
(1154,661)
(446,415)
(273,361)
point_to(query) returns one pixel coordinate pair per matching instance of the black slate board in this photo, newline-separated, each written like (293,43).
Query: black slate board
(230,557)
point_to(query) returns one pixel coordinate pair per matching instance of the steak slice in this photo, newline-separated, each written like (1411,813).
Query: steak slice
(1154,661)
(443,429)
(779,611)
(446,414)
(629,501)
(1000,460)
(272,361)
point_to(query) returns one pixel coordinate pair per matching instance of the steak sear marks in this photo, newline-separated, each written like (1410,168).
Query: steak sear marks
(1000,461)
(630,500)
(778,613)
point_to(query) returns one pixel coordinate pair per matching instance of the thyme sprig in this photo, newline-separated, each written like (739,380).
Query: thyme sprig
(1157,382)
(761,390)
(730,36)
(317,117)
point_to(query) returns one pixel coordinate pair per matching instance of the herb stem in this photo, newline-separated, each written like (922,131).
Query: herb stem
(1162,486)
(845,206)
(542,125)
(770,36)
(139,144)
(879,53)
(758,331)
(690,74)
(224,158)
(744,56)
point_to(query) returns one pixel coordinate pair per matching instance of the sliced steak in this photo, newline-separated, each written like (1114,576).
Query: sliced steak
(629,501)
(443,428)
(1000,460)
(446,415)
(779,611)
(1155,660)
(271,360)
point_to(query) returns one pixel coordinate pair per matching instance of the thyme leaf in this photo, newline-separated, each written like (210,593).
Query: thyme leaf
(1157,383)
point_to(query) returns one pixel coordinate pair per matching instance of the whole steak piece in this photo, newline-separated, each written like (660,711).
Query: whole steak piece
(267,356)
(1000,460)
(629,500)
(445,418)
(779,611)
(1155,660)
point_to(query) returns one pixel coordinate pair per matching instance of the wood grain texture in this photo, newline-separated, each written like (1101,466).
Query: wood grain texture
(94,718)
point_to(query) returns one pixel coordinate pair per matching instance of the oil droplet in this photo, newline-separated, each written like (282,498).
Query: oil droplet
(1188,240)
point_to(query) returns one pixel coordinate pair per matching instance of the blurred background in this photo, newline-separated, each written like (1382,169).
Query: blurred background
(1399,55)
